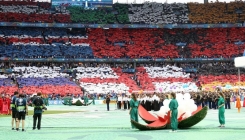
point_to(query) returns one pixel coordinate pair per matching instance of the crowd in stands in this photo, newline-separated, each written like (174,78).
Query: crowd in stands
(157,13)
(116,14)
(45,51)
(146,13)
(22,11)
(163,43)
(95,78)
(121,43)
(218,12)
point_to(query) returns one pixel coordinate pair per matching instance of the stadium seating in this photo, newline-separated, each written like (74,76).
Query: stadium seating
(45,51)
(157,13)
(116,14)
(7,85)
(217,12)
(44,5)
(44,79)
(122,43)
(104,79)
(143,43)
(146,13)
(13,11)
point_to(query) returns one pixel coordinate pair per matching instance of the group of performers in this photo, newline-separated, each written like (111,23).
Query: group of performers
(173,105)
(123,102)
(153,102)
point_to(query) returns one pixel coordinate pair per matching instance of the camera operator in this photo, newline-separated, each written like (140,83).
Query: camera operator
(38,105)
(22,111)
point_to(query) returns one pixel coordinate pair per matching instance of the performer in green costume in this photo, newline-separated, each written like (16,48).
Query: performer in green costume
(86,100)
(46,100)
(173,105)
(133,112)
(93,100)
(221,107)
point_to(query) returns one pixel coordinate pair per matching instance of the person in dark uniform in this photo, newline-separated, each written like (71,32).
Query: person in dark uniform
(216,101)
(147,103)
(161,102)
(205,99)
(119,101)
(227,100)
(108,102)
(156,102)
(22,111)
(194,97)
(210,101)
(198,99)
(125,102)
(38,105)
(12,105)
(128,100)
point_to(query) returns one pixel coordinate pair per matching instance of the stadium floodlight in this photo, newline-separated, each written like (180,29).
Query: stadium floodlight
(239,63)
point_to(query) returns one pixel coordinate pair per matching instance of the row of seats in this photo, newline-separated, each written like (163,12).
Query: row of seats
(44,5)
(45,51)
(25,9)
(35,72)
(35,17)
(11,35)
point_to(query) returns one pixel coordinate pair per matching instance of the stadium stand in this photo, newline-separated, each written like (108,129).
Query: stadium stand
(157,13)
(122,43)
(117,14)
(99,43)
(217,12)
(146,13)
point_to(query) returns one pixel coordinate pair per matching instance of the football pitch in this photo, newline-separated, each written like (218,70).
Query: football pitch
(95,123)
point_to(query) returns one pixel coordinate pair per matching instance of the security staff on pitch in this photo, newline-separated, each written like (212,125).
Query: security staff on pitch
(12,106)
(22,111)
(38,105)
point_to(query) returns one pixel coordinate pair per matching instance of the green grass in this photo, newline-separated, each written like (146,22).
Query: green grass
(45,112)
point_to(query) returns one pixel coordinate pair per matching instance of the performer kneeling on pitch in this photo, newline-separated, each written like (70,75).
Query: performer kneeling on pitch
(22,111)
